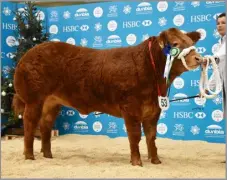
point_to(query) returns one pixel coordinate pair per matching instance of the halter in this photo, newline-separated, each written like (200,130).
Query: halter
(183,54)
(204,83)
(172,53)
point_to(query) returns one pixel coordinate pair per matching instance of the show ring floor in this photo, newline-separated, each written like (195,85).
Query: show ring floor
(85,156)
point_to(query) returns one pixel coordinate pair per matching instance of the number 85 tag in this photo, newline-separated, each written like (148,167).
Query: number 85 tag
(163,102)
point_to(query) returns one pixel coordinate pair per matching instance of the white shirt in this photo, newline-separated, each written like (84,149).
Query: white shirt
(221,54)
(221,50)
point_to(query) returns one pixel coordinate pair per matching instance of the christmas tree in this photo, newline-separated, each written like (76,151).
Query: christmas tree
(30,32)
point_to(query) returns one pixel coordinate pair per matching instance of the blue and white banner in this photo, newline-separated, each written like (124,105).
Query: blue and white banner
(121,24)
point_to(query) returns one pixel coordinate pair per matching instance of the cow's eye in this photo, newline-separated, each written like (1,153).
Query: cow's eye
(175,44)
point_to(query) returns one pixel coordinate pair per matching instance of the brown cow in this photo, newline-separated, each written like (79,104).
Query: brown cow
(121,82)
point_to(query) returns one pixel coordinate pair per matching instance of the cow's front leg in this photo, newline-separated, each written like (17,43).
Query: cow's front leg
(149,126)
(133,127)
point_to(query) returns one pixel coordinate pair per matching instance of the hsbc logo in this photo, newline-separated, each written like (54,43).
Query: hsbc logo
(75,28)
(216,15)
(70,113)
(194,83)
(200,115)
(183,115)
(2,55)
(201,18)
(201,50)
(71,28)
(9,26)
(146,22)
(84,27)
(8,55)
(131,24)
(136,24)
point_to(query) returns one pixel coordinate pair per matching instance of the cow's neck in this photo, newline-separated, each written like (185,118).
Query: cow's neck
(160,60)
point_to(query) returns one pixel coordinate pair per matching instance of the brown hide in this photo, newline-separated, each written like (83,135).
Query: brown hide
(120,81)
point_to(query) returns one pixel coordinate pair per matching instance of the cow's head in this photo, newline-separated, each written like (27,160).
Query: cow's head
(173,40)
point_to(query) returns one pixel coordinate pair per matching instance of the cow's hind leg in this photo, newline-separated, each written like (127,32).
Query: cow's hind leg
(150,126)
(31,118)
(50,112)
(133,127)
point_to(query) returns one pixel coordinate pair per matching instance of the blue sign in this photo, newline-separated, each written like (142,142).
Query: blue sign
(122,24)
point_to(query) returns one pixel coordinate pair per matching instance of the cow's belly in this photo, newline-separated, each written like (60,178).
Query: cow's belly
(87,107)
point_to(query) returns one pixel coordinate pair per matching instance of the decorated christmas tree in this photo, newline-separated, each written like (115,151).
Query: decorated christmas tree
(29,33)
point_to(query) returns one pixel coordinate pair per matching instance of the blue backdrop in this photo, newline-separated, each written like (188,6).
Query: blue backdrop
(117,24)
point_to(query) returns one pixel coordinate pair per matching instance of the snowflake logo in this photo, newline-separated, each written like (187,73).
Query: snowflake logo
(6,70)
(10,55)
(66,15)
(195,130)
(66,126)
(98,26)
(216,34)
(127,9)
(145,37)
(113,9)
(195,3)
(83,42)
(112,125)
(162,21)
(217,100)
(6,11)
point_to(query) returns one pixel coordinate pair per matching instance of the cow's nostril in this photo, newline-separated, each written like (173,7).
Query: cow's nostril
(198,59)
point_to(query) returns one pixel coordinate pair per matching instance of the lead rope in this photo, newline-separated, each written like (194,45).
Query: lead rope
(205,83)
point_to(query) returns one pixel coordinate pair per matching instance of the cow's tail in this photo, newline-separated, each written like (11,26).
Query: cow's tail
(18,105)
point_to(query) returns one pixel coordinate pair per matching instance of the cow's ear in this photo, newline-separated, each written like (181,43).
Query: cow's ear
(195,36)
(162,39)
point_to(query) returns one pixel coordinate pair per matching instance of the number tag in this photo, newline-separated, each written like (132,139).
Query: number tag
(163,102)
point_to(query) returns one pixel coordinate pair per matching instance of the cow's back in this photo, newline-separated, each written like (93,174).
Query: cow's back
(98,80)
(83,78)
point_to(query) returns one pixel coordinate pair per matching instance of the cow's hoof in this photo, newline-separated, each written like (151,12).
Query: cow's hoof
(136,162)
(155,161)
(29,156)
(47,155)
